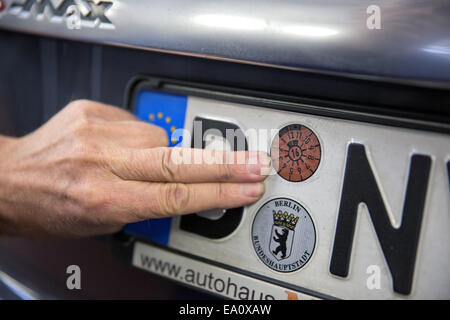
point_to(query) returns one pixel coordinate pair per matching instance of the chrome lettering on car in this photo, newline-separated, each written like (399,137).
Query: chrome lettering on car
(76,14)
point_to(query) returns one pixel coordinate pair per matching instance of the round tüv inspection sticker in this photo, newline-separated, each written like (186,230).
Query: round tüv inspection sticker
(283,235)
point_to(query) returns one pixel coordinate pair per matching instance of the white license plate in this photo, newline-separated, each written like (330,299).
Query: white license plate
(368,214)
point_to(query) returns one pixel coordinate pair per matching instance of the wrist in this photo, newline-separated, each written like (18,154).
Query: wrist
(6,144)
(6,149)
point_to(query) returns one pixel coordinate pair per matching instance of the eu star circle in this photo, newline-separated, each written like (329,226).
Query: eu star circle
(283,235)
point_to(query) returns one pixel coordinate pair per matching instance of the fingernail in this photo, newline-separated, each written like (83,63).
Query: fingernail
(254,190)
(259,163)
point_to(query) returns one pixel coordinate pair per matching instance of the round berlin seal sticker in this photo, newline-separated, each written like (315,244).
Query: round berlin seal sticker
(283,235)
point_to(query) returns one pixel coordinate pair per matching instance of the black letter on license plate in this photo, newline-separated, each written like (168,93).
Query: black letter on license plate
(399,245)
(222,227)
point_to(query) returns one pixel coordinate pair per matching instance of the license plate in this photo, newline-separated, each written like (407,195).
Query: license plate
(356,210)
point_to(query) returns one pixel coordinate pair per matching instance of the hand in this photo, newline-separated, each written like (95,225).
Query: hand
(93,168)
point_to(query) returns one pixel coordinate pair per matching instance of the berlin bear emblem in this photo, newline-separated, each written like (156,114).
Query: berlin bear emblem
(283,235)
(282,239)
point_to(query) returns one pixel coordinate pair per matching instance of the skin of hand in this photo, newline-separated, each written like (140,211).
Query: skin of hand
(93,168)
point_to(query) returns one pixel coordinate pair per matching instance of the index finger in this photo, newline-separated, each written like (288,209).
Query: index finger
(192,165)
